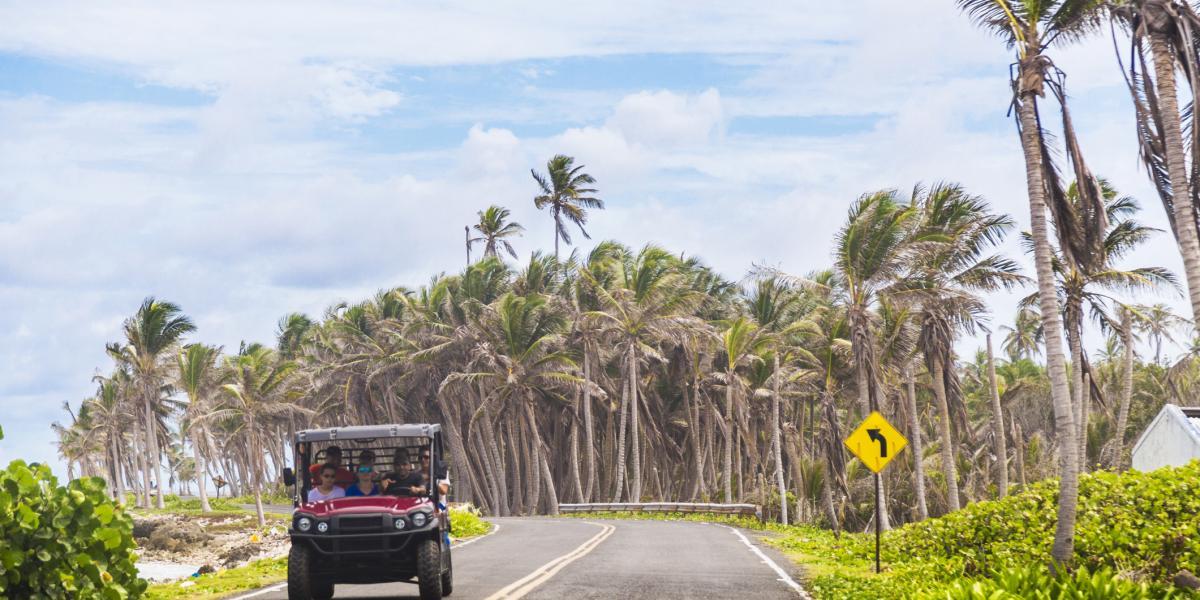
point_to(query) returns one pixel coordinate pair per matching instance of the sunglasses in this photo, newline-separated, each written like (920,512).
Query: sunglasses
(327,476)
(364,469)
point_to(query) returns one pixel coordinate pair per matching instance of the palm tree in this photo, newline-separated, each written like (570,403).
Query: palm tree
(150,335)
(494,231)
(197,365)
(744,343)
(1087,287)
(1159,323)
(1025,337)
(1171,27)
(564,191)
(645,303)
(259,390)
(1031,28)
(945,274)
(111,413)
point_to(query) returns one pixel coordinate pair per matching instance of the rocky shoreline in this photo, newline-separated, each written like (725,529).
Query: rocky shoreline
(170,544)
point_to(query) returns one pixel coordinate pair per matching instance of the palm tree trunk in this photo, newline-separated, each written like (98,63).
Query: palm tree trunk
(588,425)
(1068,498)
(827,502)
(1019,450)
(619,476)
(198,456)
(573,443)
(118,478)
(918,451)
(155,457)
(776,446)
(1079,395)
(1001,445)
(1085,408)
(143,495)
(728,483)
(635,494)
(1118,459)
(1181,196)
(949,468)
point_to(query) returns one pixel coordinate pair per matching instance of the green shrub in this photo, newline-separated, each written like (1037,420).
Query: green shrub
(1128,522)
(466,521)
(1036,583)
(63,541)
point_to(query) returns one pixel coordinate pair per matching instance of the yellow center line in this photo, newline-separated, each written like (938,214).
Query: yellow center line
(542,574)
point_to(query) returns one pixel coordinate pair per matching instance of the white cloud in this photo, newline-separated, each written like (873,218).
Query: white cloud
(667,119)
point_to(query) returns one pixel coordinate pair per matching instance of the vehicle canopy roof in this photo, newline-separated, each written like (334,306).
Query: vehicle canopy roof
(360,432)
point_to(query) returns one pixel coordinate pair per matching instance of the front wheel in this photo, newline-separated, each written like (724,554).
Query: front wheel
(429,570)
(448,576)
(301,584)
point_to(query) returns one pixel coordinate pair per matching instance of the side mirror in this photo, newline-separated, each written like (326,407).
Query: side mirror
(289,476)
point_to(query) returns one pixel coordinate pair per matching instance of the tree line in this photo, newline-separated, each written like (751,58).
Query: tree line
(637,373)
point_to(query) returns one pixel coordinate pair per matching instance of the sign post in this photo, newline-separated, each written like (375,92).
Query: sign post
(876,443)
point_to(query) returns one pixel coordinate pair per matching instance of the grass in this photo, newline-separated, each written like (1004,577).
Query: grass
(223,583)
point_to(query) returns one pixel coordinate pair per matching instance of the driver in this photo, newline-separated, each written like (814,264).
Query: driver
(402,480)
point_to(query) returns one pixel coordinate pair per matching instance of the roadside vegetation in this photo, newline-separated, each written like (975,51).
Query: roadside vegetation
(617,373)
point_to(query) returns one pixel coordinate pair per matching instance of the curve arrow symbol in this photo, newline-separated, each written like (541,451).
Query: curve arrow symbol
(878,437)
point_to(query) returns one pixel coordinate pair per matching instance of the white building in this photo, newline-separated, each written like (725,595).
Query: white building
(1172,439)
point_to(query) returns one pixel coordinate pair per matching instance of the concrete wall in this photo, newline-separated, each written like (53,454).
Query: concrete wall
(1169,441)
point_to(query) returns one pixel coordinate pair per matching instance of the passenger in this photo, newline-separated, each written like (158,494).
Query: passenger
(333,457)
(366,485)
(326,490)
(366,458)
(402,478)
(443,479)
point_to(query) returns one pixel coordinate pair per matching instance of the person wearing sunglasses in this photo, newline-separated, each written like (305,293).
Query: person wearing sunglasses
(443,480)
(365,486)
(326,490)
(333,457)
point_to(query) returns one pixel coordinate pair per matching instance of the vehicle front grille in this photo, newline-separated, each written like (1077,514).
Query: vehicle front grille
(361,524)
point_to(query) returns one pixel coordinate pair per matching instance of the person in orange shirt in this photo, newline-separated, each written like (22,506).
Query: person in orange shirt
(333,457)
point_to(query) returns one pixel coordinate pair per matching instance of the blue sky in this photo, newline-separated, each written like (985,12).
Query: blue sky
(249,161)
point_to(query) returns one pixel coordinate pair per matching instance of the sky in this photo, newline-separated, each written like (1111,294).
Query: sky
(247,160)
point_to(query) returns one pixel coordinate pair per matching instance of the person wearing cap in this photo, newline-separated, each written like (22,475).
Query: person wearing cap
(333,456)
(443,479)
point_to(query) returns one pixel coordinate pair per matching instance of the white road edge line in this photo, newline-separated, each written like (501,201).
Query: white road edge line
(783,576)
(542,574)
(266,590)
(495,528)
(280,586)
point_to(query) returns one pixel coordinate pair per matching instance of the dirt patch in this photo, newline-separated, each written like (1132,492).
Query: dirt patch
(223,541)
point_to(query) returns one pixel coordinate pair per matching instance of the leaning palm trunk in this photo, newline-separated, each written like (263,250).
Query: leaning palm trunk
(729,425)
(118,478)
(1064,535)
(588,425)
(198,456)
(619,476)
(1001,445)
(776,445)
(1118,457)
(152,447)
(1181,189)
(949,469)
(635,494)
(918,451)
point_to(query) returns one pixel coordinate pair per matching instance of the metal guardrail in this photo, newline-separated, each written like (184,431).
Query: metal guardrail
(749,510)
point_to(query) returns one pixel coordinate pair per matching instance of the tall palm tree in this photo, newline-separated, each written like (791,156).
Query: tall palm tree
(494,231)
(1087,287)
(1159,323)
(1031,28)
(151,334)
(1170,27)
(197,365)
(564,189)
(259,390)
(744,343)
(111,413)
(946,273)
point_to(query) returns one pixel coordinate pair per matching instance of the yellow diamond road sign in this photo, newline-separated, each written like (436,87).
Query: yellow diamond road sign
(876,442)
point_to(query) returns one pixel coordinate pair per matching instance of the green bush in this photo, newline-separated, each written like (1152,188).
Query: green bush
(466,521)
(1034,583)
(1132,522)
(63,541)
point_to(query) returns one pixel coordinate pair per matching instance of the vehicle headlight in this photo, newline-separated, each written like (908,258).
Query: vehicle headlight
(304,524)
(400,524)
(419,519)
(322,527)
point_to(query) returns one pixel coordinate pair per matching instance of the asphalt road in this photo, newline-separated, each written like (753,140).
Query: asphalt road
(542,559)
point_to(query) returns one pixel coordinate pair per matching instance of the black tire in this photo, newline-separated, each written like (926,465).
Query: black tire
(429,569)
(448,576)
(322,590)
(301,585)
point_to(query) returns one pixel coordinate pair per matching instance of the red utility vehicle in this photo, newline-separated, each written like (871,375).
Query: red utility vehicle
(395,536)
